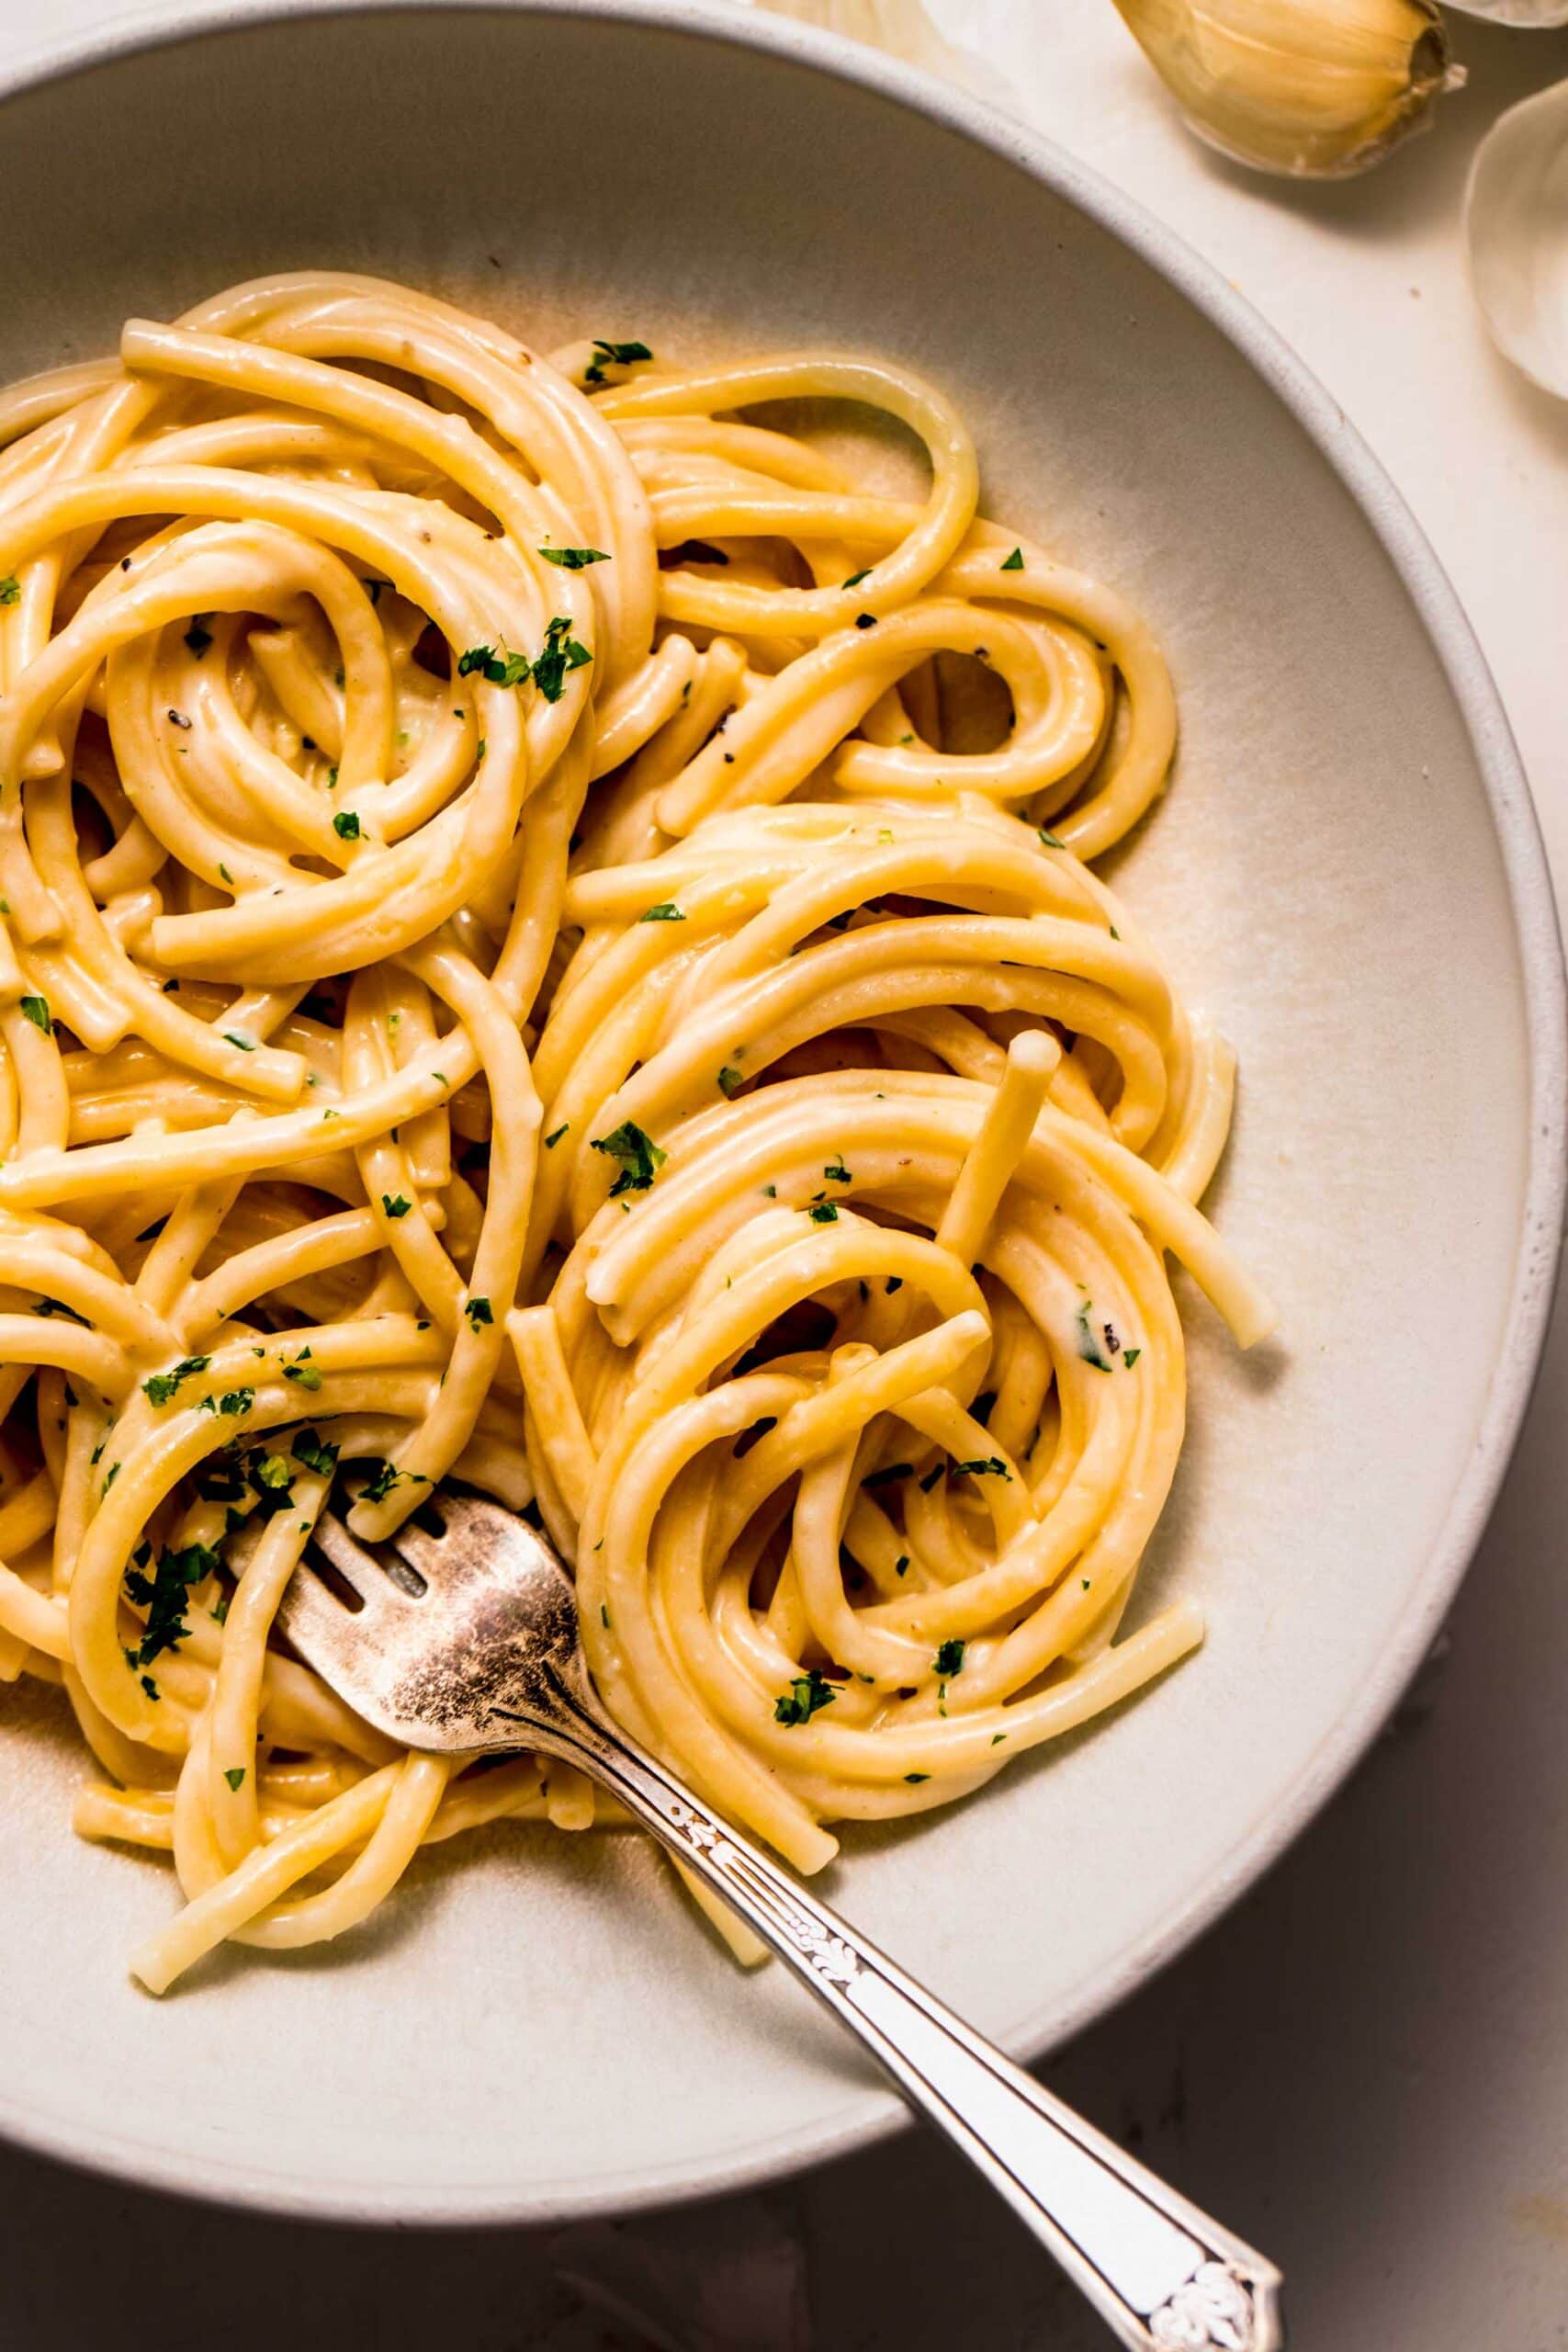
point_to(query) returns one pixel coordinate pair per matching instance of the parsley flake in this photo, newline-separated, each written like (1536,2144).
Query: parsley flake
(36,1010)
(612,355)
(1089,1346)
(806,1693)
(574,559)
(313,1454)
(639,1156)
(163,1385)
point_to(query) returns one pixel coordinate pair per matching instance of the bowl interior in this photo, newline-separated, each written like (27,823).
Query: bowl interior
(536,2025)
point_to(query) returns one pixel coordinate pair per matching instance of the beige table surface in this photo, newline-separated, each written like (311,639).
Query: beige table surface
(1365,2069)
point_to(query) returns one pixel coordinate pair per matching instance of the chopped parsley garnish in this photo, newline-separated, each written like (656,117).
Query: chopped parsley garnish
(1089,1346)
(1050,840)
(501,668)
(271,1481)
(806,1693)
(574,559)
(313,1452)
(235,1037)
(219,1613)
(477,1312)
(233,1403)
(949,1659)
(562,652)
(914,1778)
(1131,1355)
(149,1686)
(345,825)
(823,1213)
(303,1372)
(112,1475)
(551,1140)
(223,870)
(163,1385)
(36,1010)
(612,355)
(901,1564)
(991,1466)
(236,1776)
(162,1595)
(1014,561)
(639,1156)
(198,638)
(665,911)
(856,577)
(10,589)
(837,1173)
(730,1082)
(886,1476)
(865,620)
(381,1485)
(394,1206)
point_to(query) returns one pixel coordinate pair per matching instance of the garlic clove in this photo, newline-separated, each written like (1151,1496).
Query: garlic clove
(1515,226)
(1517,12)
(899,29)
(1313,91)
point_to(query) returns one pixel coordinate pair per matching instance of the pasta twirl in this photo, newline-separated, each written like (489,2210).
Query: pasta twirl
(545,938)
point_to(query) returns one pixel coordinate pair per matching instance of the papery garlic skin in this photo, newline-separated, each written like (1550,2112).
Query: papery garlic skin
(1515,226)
(1315,91)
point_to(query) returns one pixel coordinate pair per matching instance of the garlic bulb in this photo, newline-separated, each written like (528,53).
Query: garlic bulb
(1515,224)
(1315,91)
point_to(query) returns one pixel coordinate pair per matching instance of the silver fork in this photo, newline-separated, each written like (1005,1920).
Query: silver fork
(466,1641)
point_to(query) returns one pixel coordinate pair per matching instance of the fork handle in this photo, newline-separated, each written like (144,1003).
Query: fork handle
(1164,2276)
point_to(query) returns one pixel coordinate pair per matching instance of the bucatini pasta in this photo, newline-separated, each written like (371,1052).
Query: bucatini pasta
(546,938)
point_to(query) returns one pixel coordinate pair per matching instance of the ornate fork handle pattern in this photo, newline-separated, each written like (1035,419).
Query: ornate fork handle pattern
(1164,2276)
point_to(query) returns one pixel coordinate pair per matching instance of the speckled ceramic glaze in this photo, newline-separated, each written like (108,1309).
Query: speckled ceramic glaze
(1345,875)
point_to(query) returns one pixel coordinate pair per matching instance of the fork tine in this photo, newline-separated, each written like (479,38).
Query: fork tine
(326,1635)
(376,1580)
(431,1556)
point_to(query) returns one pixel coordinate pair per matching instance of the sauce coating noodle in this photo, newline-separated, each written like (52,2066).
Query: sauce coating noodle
(546,938)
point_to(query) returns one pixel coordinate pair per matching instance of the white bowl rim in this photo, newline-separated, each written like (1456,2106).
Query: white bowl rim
(874,2114)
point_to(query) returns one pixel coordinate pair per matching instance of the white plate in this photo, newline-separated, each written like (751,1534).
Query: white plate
(1346,874)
